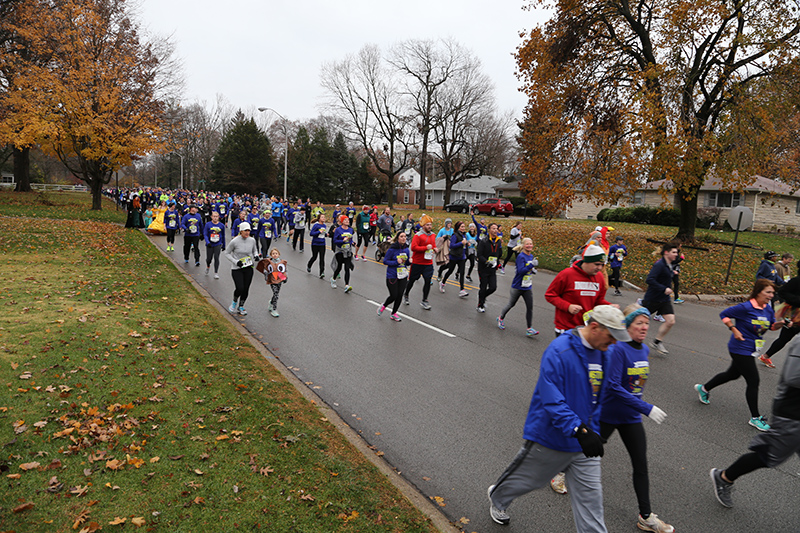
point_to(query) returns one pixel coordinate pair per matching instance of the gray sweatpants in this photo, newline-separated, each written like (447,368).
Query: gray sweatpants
(534,467)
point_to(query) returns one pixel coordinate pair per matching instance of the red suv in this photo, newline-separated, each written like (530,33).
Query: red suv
(494,206)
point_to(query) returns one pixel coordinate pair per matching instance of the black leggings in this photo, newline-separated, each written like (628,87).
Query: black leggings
(190,242)
(744,465)
(676,285)
(426,273)
(635,442)
(171,236)
(242,277)
(488,285)
(741,366)
(213,252)
(265,244)
(451,267)
(346,262)
(471,259)
(317,250)
(396,289)
(785,336)
(299,233)
(362,237)
(527,296)
(613,279)
(509,255)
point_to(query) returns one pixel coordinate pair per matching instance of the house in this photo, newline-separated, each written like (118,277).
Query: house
(407,187)
(509,188)
(775,205)
(472,189)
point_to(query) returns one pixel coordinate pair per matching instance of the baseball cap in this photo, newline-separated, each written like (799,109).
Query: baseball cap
(244,226)
(613,320)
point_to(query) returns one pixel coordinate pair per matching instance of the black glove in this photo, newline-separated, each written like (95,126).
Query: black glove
(591,443)
(223,248)
(239,263)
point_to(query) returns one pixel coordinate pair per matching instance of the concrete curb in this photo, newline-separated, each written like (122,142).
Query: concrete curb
(412,494)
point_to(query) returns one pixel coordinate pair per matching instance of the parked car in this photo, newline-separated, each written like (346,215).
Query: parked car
(459,206)
(494,206)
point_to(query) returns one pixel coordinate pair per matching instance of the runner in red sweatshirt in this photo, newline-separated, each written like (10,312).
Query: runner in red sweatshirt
(423,252)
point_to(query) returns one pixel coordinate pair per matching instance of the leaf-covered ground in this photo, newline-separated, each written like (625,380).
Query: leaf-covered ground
(58,204)
(131,402)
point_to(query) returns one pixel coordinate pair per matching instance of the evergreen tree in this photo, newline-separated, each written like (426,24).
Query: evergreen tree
(342,168)
(321,166)
(245,161)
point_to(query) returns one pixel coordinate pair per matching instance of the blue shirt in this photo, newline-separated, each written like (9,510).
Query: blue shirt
(172,219)
(626,373)
(615,255)
(192,225)
(318,232)
(752,323)
(522,279)
(214,234)
(395,251)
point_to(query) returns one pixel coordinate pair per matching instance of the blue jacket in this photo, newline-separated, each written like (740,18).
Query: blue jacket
(192,225)
(318,232)
(768,271)
(752,323)
(390,259)
(277,209)
(214,234)
(338,238)
(626,373)
(564,397)
(483,231)
(658,280)
(457,250)
(614,260)
(524,268)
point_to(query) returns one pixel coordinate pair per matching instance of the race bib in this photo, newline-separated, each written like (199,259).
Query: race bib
(402,272)
(346,246)
(172,223)
(268,233)
(759,347)
(321,232)
(247,261)
(254,225)
(527,280)
(365,226)
(192,228)
(301,224)
(492,261)
(214,237)
(221,210)
(429,255)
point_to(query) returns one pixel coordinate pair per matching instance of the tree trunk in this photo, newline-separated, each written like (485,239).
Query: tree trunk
(96,186)
(423,168)
(688,217)
(390,200)
(22,169)
(448,188)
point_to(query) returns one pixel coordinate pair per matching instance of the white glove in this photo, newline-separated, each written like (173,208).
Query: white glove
(657,415)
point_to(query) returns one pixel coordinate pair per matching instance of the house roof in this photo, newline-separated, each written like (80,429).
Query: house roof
(480,184)
(758,185)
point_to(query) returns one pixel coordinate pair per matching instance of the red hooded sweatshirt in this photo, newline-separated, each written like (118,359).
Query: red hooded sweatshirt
(574,286)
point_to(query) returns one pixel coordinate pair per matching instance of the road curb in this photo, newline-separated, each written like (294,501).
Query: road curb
(406,488)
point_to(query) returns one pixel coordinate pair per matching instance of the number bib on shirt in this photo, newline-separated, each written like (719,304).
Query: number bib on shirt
(172,223)
(213,237)
(268,233)
(365,226)
(247,261)
(759,347)
(321,234)
(192,229)
(492,261)
(429,255)
(402,272)
(527,280)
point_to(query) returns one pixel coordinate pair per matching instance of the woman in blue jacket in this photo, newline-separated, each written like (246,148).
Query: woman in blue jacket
(458,258)
(521,285)
(397,264)
(753,318)
(318,232)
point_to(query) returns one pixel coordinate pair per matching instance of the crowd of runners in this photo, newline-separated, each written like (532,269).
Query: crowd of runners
(593,374)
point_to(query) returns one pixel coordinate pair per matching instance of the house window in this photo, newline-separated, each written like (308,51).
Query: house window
(797,208)
(723,199)
(7,179)
(499,194)
(405,197)
(428,196)
(638,198)
(477,196)
(462,195)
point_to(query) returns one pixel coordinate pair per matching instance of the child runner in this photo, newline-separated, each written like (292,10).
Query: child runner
(214,235)
(521,285)
(472,243)
(275,274)
(616,254)
(396,261)
(343,241)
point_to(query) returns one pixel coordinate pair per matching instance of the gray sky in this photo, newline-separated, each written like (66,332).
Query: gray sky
(259,53)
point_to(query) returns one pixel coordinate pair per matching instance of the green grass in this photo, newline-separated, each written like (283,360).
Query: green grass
(63,205)
(139,401)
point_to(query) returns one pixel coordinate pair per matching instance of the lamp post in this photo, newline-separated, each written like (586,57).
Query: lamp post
(285,150)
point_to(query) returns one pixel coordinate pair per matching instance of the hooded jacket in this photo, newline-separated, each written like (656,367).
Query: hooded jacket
(574,286)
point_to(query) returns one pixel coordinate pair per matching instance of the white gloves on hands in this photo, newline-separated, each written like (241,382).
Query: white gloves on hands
(657,415)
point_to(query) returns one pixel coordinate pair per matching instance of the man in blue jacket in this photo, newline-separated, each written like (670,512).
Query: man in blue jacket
(563,424)
(658,298)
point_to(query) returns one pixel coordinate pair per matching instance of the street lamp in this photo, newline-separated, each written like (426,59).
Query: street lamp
(285,150)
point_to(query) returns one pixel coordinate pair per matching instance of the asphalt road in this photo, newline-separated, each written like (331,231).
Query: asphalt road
(445,395)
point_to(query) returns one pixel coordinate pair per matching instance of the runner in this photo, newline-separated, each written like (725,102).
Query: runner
(472,244)
(561,430)
(789,310)
(299,229)
(343,241)
(659,289)
(192,226)
(396,261)
(753,318)
(513,241)
(362,230)
(616,254)
(275,274)
(241,219)
(443,250)
(488,251)
(423,250)
(214,235)
(266,231)
(318,232)
(483,230)
(521,285)
(242,252)
(172,221)
(458,257)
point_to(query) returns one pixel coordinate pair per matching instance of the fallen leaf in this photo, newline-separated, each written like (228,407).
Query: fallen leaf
(87,472)
(114,487)
(223,437)
(266,471)
(117,521)
(176,457)
(91,528)
(199,500)
(55,463)
(198,472)
(79,491)
(154,459)
(29,466)
(40,424)
(53,485)
(136,462)
(114,464)
(14,476)
(138,521)
(464,520)
(307,497)
(23,507)
(439,500)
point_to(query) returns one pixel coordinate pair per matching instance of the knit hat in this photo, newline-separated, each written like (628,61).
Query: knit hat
(450,220)
(343,218)
(613,320)
(425,219)
(593,253)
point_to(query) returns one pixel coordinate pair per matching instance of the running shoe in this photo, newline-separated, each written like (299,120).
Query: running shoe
(322,276)
(405,300)
(333,283)
(480,309)
(363,258)
(638,301)
(654,524)
(702,394)
(767,361)
(659,347)
(348,288)
(356,258)
(463,294)
(531,332)
(617,293)
(381,309)
(760,423)
(441,286)
(722,488)
(469,279)
(269,309)
(425,305)
(274,313)
(232,308)
(659,318)
(206,271)
(242,311)
(308,269)
(216,276)
(498,515)
(197,263)
(559,483)
(678,301)
(396,317)
(301,250)
(186,261)
(500,323)
(502,271)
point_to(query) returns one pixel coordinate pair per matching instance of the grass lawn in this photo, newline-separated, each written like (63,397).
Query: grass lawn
(58,204)
(129,401)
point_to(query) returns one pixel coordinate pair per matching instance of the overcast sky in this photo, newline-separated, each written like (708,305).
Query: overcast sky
(269,53)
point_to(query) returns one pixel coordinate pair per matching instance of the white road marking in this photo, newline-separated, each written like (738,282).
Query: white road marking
(420,322)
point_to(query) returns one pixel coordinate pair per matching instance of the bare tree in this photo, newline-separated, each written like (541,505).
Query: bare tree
(364,92)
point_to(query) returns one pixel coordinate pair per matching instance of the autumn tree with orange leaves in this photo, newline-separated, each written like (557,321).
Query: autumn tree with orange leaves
(625,92)
(98,101)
